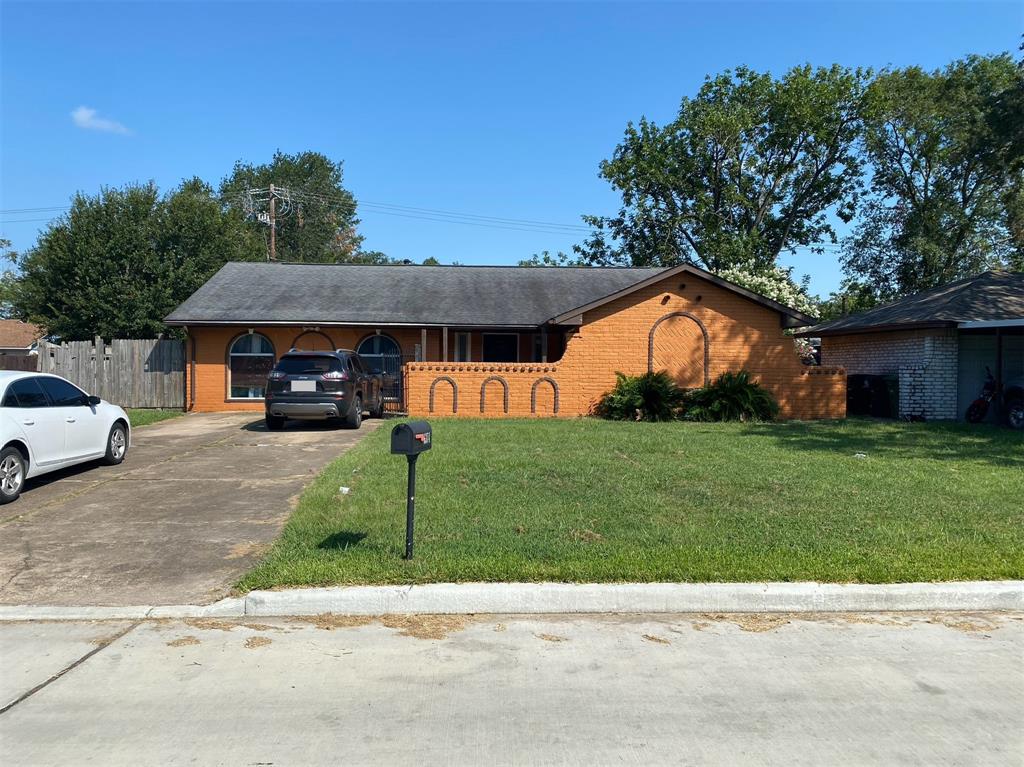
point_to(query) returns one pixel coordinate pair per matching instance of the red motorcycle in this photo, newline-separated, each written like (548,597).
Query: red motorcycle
(1012,401)
(978,409)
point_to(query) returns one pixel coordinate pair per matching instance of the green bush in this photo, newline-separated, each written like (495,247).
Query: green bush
(732,397)
(647,397)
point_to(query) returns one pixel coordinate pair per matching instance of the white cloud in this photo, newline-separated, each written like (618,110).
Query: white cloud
(87,119)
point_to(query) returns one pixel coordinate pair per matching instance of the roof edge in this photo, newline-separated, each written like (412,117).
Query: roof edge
(671,271)
(858,330)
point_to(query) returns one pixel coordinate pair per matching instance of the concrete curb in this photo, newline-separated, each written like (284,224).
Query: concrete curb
(541,598)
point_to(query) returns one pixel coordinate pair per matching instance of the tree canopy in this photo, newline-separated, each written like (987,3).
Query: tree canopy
(317,221)
(118,262)
(945,152)
(752,166)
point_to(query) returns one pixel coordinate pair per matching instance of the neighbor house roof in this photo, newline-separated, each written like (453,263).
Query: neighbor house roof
(15,334)
(469,296)
(991,297)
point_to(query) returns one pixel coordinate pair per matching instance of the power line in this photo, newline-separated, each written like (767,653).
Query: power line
(288,198)
(35,210)
(255,196)
(440,212)
(433,214)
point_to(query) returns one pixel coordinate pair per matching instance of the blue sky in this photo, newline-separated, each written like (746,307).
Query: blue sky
(492,109)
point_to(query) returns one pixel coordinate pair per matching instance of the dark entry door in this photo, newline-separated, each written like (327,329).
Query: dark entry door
(501,347)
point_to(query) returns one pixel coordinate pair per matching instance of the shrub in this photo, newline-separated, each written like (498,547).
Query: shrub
(732,397)
(647,397)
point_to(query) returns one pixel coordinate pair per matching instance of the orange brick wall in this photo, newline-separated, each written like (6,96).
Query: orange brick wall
(478,389)
(616,337)
(211,389)
(211,354)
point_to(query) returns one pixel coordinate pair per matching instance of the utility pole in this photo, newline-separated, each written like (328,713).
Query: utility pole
(273,226)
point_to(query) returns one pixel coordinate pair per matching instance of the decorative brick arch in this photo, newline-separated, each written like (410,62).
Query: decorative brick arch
(483,392)
(533,392)
(330,343)
(455,392)
(703,330)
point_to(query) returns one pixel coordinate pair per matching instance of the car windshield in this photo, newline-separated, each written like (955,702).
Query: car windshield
(308,365)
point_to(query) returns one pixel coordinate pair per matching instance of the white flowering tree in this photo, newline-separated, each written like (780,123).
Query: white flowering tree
(777,283)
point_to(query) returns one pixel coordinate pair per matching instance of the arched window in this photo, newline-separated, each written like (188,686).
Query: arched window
(381,353)
(250,360)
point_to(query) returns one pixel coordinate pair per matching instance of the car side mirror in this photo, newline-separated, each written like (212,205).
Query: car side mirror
(91,400)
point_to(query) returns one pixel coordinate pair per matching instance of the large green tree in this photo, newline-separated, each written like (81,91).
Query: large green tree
(117,263)
(752,166)
(8,279)
(945,193)
(316,219)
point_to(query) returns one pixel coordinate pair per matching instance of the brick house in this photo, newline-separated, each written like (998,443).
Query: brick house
(936,344)
(494,341)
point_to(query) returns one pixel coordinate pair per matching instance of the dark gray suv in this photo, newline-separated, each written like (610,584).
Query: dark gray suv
(322,385)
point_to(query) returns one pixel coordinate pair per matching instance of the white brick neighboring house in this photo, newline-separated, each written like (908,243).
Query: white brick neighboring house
(938,343)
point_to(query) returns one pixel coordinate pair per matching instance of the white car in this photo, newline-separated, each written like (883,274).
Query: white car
(48,423)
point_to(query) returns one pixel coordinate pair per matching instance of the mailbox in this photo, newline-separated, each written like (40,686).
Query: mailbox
(410,438)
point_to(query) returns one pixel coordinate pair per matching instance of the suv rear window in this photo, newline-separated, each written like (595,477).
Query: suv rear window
(308,365)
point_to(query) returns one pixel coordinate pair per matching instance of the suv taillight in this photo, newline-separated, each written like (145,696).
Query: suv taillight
(335,375)
(276,375)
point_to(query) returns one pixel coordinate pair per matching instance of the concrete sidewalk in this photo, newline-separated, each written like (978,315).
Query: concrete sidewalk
(198,499)
(591,690)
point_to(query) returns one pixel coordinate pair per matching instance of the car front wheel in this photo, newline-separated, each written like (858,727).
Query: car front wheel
(117,445)
(12,474)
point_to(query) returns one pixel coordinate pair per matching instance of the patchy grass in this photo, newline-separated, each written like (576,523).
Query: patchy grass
(591,500)
(145,416)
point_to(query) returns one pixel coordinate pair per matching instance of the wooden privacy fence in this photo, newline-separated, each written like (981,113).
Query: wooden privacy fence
(26,362)
(147,372)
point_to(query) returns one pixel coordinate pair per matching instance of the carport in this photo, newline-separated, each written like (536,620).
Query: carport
(989,345)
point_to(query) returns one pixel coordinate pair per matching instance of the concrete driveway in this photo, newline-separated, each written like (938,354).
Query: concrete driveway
(196,502)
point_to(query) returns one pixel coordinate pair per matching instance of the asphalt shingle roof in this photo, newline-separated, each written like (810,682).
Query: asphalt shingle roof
(15,334)
(988,297)
(243,293)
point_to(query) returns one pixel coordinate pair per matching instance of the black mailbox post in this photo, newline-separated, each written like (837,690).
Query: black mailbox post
(410,439)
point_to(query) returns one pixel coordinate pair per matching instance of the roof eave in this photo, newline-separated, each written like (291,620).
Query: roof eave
(891,327)
(355,324)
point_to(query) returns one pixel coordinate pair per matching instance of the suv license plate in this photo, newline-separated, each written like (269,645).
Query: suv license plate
(303,386)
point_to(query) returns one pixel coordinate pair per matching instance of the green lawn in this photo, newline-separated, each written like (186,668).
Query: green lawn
(590,500)
(145,416)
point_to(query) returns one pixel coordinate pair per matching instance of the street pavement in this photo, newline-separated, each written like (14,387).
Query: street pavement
(869,689)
